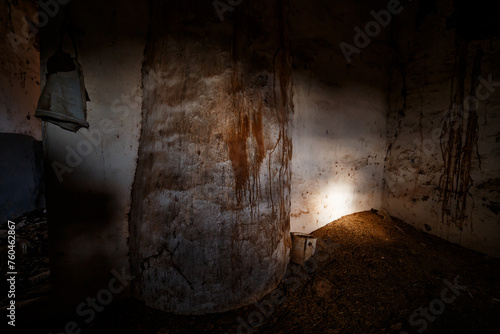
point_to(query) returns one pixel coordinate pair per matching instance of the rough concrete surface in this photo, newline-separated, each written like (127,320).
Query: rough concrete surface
(211,204)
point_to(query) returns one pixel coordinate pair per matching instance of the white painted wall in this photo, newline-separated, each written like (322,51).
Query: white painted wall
(339,114)
(337,165)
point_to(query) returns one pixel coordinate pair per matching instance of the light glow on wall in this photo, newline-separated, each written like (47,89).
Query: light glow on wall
(339,199)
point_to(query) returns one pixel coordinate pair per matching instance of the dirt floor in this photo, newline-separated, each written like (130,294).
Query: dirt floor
(371,274)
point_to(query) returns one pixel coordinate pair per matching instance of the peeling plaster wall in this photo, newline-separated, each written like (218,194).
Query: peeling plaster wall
(19,70)
(90,173)
(340,114)
(420,100)
(211,205)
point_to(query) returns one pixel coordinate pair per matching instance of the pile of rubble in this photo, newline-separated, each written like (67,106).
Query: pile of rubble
(32,257)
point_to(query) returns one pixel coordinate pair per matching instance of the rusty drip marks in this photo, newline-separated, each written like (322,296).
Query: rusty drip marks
(258,134)
(237,144)
(247,128)
(283,70)
(246,161)
(459,144)
(237,137)
(247,144)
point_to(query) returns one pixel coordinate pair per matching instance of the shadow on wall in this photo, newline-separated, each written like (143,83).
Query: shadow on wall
(21,175)
(82,244)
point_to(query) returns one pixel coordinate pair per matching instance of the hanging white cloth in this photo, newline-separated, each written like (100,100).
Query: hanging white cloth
(64,98)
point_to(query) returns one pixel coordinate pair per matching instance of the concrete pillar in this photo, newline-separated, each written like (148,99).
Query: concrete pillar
(209,225)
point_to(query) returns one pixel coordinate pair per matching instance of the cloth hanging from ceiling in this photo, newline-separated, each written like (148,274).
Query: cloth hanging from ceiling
(64,99)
